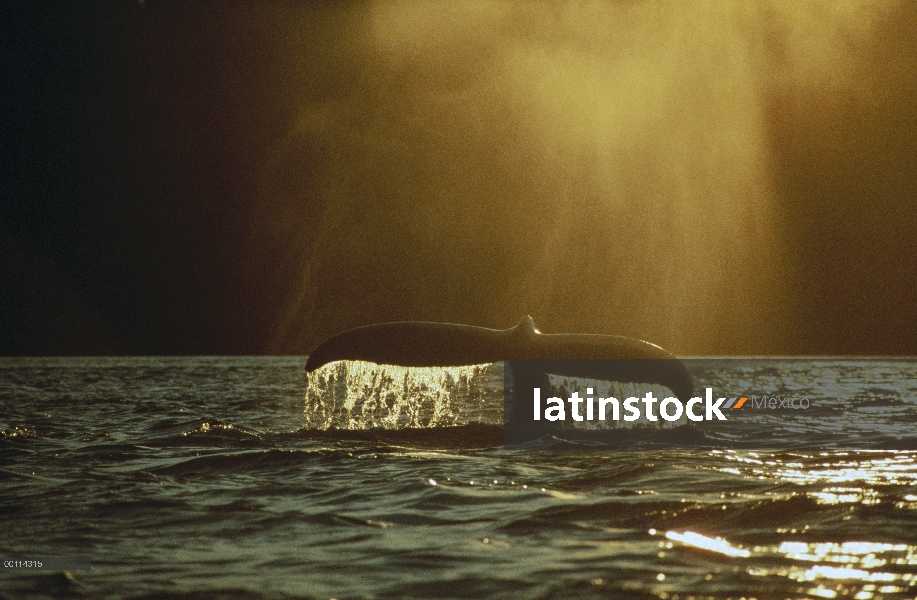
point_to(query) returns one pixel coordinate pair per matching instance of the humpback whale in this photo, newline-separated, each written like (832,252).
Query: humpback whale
(528,354)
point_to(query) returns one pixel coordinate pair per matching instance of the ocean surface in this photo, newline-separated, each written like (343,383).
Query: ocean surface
(220,477)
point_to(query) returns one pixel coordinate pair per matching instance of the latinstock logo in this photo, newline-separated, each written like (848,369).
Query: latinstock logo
(670,409)
(762,403)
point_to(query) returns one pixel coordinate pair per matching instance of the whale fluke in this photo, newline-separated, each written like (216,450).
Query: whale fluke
(429,344)
(528,355)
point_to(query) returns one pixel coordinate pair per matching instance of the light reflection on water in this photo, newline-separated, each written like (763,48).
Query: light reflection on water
(854,566)
(892,468)
(192,475)
(850,568)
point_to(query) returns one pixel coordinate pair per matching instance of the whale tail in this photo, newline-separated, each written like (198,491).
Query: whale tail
(528,353)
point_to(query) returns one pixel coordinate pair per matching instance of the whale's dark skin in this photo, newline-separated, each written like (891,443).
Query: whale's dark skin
(528,353)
